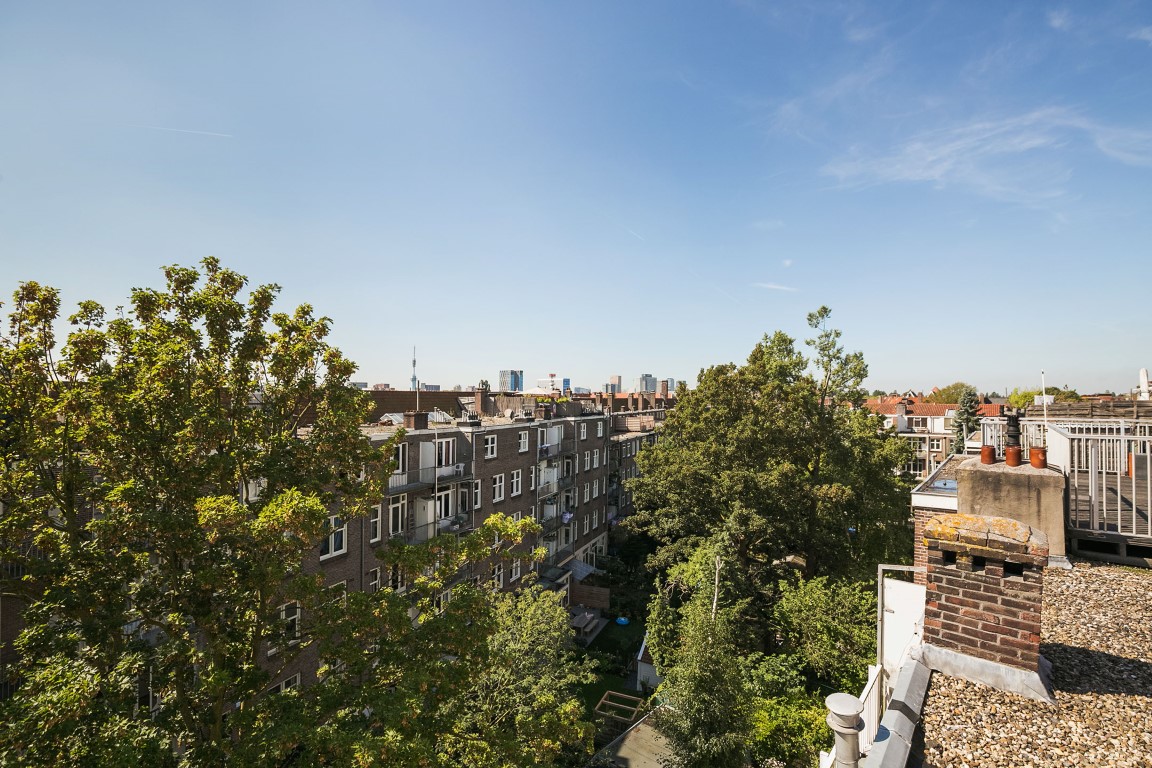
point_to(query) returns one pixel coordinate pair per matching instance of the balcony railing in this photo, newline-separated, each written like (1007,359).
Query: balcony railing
(449,526)
(552,487)
(552,516)
(413,478)
(552,450)
(559,556)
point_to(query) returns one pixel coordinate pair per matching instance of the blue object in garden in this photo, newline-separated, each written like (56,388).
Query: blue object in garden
(622,621)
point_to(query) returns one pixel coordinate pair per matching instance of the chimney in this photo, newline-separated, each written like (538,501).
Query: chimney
(984,597)
(415,420)
(481,395)
(663,389)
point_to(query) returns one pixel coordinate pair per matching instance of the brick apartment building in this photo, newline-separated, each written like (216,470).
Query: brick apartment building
(460,461)
(548,463)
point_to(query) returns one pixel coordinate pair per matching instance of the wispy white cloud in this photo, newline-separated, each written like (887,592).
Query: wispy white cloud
(1015,159)
(638,237)
(182,130)
(1059,19)
(775,287)
(1143,34)
(802,116)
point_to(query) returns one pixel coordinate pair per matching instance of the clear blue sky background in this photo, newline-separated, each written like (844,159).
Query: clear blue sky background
(591,188)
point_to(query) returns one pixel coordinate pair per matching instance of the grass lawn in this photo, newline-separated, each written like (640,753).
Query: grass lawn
(622,642)
(619,640)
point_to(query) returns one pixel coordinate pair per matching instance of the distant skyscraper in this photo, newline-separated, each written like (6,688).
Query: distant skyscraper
(616,383)
(671,385)
(565,385)
(646,382)
(511,381)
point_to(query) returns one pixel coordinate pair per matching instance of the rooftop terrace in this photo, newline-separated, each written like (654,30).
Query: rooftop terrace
(1097,632)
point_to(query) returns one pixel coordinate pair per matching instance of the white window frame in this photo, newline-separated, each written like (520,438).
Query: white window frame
(375,523)
(587,524)
(595,519)
(532,478)
(498,575)
(287,684)
(396,581)
(374,580)
(490,446)
(523,441)
(587,488)
(587,460)
(583,430)
(444,506)
(400,456)
(445,451)
(337,537)
(498,488)
(397,506)
(596,488)
(514,570)
(516,483)
(599,429)
(477,499)
(596,459)
(289,614)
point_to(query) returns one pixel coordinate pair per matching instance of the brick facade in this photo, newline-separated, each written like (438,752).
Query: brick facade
(985,588)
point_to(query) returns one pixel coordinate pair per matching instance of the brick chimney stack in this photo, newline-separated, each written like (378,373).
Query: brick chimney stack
(415,420)
(984,596)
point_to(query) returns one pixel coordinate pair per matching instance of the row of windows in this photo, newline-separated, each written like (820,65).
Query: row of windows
(336,540)
(490,442)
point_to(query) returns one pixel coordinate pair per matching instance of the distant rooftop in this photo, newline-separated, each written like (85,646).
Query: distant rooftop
(1097,632)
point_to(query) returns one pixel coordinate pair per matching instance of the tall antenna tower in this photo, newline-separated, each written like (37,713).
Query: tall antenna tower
(414,382)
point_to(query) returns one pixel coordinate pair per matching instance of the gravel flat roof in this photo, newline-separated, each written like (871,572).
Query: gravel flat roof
(1097,632)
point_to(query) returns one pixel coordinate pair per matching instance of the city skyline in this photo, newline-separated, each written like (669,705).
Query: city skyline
(965,185)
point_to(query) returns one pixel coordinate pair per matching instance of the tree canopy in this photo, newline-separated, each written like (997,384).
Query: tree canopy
(950,394)
(1022,398)
(167,477)
(779,456)
(966,420)
(761,470)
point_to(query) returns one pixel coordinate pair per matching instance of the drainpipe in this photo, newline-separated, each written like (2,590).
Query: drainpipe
(844,719)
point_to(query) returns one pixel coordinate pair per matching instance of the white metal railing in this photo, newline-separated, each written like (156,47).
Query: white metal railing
(1109,479)
(425,475)
(994,431)
(875,700)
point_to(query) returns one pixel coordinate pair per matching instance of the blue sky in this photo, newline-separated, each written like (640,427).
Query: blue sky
(590,188)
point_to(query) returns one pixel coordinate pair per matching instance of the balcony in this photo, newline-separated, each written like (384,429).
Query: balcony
(559,556)
(449,526)
(412,479)
(552,516)
(552,487)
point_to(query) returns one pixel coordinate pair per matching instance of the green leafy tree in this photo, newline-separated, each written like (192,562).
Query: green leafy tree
(162,506)
(829,628)
(521,708)
(1023,398)
(780,454)
(950,394)
(159,473)
(966,420)
(708,714)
